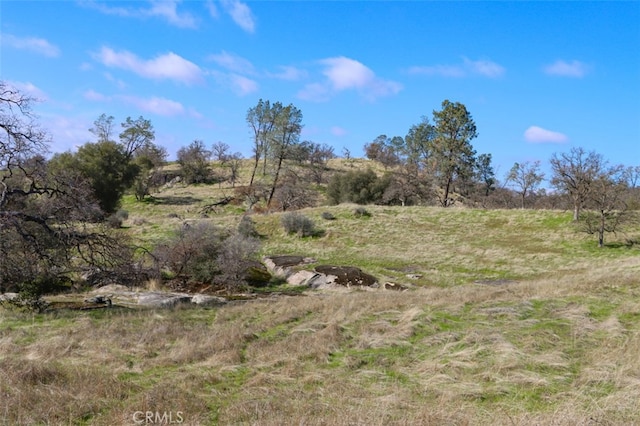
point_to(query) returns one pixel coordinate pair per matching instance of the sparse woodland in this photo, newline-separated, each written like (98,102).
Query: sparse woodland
(520,299)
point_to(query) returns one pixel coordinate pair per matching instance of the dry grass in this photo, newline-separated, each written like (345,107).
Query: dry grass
(517,319)
(541,352)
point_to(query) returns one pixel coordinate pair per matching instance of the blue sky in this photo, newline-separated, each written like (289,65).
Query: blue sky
(537,77)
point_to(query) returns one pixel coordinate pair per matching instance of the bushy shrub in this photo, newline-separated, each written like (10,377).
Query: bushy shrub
(115,220)
(247,227)
(328,216)
(295,223)
(357,186)
(361,212)
(204,253)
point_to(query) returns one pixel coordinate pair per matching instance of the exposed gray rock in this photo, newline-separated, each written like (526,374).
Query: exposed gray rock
(8,297)
(282,266)
(207,300)
(162,300)
(304,277)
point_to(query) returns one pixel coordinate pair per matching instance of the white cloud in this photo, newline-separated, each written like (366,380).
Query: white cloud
(241,14)
(242,85)
(167,9)
(29,89)
(342,74)
(237,83)
(211,7)
(155,105)
(315,92)
(289,73)
(482,67)
(92,95)
(233,63)
(345,73)
(537,134)
(33,44)
(67,133)
(164,67)
(561,68)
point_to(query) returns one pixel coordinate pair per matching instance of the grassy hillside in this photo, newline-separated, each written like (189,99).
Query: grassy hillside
(512,317)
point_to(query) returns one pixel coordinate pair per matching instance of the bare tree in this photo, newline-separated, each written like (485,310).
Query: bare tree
(606,205)
(103,128)
(220,152)
(45,234)
(574,173)
(525,178)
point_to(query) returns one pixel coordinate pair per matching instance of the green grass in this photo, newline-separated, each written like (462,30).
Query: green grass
(516,318)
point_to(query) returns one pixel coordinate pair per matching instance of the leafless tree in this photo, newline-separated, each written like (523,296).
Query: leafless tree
(47,229)
(574,173)
(525,178)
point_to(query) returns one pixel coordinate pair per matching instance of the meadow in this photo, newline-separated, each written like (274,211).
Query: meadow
(508,317)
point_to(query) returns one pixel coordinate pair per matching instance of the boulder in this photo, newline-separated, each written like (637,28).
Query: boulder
(257,275)
(162,300)
(207,300)
(346,276)
(282,266)
(303,277)
(8,297)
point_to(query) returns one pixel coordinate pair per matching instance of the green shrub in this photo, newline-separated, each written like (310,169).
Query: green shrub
(357,186)
(295,223)
(247,227)
(361,212)
(328,216)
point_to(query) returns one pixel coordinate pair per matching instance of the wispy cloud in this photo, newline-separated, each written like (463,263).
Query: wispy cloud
(243,85)
(342,73)
(233,63)
(164,67)
(484,68)
(238,84)
(211,7)
(535,134)
(289,73)
(166,9)
(67,133)
(92,95)
(29,89)
(468,67)
(241,14)
(575,69)
(155,105)
(32,44)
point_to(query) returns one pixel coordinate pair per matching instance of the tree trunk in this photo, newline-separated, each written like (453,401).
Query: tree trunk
(601,230)
(576,213)
(445,201)
(255,167)
(275,181)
